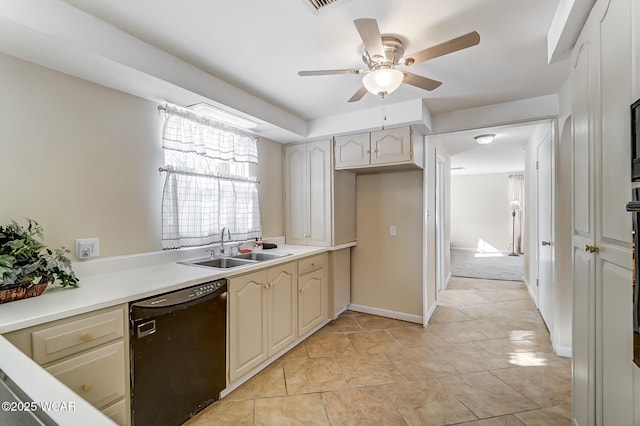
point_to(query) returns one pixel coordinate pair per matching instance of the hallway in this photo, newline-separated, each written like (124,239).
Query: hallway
(484,360)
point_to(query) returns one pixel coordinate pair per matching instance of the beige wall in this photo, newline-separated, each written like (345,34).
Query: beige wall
(387,271)
(480,210)
(83,160)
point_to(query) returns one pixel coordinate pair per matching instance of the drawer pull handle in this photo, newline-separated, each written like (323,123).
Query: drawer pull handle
(87,387)
(85,336)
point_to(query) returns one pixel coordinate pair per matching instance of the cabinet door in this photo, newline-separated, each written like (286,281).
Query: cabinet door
(319,210)
(391,146)
(352,150)
(296,177)
(247,323)
(310,301)
(97,375)
(282,306)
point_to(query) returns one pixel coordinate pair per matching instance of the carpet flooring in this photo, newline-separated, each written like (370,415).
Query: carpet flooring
(488,266)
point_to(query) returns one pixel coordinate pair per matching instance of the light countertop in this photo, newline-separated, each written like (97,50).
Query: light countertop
(111,281)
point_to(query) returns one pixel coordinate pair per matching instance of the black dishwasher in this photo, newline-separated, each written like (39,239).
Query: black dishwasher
(178,353)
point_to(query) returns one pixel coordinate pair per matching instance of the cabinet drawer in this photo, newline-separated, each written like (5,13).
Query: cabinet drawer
(68,338)
(117,412)
(98,375)
(310,264)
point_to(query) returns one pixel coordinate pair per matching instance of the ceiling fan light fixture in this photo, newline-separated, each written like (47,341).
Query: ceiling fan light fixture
(382,81)
(485,139)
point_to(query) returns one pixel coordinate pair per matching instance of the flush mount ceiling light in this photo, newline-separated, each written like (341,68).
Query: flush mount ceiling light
(217,114)
(485,139)
(382,81)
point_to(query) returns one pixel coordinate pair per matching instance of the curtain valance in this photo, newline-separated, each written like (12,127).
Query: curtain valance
(186,131)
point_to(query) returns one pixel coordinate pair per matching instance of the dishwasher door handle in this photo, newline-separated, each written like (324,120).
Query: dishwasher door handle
(146,328)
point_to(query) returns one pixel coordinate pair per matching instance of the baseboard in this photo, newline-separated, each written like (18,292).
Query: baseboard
(475,250)
(530,290)
(446,282)
(430,312)
(340,312)
(563,351)
(233,386)
(386,313)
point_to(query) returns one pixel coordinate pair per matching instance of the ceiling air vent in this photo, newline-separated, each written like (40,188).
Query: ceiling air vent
(316,5)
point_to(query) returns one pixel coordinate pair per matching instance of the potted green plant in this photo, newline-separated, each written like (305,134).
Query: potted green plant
(27,265)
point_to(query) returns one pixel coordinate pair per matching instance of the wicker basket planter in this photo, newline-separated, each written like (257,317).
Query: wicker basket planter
(17,292)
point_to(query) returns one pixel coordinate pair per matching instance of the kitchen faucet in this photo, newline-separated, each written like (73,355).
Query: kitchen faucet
(222,238)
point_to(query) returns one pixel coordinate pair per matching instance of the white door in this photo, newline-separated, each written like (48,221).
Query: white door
(546,283)
(603,389)
(584,386)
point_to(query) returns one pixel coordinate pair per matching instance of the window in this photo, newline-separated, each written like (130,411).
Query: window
(209,185)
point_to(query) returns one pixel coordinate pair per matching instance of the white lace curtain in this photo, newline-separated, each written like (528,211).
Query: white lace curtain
(516,192)
(208,185)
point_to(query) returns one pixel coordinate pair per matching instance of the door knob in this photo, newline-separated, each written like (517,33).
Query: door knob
(546,243)
(591,249)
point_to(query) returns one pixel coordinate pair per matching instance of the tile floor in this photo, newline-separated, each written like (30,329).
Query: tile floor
(484,360)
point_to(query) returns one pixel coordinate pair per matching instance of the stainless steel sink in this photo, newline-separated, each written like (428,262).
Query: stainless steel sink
(219,263)
(226,262)
(260,256)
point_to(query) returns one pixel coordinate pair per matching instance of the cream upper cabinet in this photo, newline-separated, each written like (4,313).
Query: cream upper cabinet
(319,205)
(382,150)
(391,146)
(262,317)
(352,150)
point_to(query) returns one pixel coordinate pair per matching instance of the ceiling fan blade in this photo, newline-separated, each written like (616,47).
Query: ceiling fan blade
(359,94)
(445,48)
(420,81)
(330,72)
(370,35)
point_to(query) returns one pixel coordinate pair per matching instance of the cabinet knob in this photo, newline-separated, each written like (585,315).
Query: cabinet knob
(85,336)
(300,290)
(87,387)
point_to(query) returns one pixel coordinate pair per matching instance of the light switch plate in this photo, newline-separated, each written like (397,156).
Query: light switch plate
(87,248)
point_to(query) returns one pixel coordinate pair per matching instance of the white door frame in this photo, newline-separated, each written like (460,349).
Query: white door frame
(440,224)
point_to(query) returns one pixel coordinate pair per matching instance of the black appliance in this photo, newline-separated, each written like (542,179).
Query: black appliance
(178,353)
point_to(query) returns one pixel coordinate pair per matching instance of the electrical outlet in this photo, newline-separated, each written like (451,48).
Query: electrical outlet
(87,248)
(393,231)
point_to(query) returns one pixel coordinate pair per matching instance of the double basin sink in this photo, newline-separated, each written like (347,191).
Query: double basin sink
(226,262)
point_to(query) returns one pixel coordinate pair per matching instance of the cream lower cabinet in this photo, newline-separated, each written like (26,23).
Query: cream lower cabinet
(262,317)
(313,293)
(88,353)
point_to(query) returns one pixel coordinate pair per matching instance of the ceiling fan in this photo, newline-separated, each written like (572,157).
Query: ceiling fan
(383,55)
